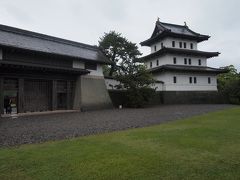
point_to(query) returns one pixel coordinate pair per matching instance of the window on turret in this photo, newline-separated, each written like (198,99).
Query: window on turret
(195,80)
(174,79)
(150,64)
(209,80)
(161,45)
(157,63)
(180,44)
(173,43)
(174,60)
(190,80)
(155,48)
(199,62)
(185,60)
(189,61)
(191,45)
(185,45)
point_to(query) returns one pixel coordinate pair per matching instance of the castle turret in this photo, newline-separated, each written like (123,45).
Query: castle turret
(176,61)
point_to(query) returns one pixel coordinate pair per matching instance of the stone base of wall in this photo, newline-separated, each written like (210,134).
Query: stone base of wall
(94,94)
(193,97)
(173,97)
(118,97)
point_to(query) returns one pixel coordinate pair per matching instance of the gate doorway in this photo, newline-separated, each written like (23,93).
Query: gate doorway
(61,95)
(37,95)
(61,101)
(10,102)
(10,95)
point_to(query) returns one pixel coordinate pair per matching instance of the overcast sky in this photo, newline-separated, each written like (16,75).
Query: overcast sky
(87,20)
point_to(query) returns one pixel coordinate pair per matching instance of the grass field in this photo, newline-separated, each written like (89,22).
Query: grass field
(202,147)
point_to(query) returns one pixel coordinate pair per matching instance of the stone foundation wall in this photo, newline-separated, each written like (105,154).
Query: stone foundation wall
(94,94)
(118,97)
(174,97)
(193,97)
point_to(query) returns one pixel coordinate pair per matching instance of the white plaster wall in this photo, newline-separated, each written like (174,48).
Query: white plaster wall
(183,82)
(111,83)
(167,42)
(81,65)
(78,64)
(168,59)
(98,72)
(158,86)
(0,54)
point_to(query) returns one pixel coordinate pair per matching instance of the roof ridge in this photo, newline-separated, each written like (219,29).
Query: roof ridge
(45,37)
(173,24)
(160,24)
(184,26)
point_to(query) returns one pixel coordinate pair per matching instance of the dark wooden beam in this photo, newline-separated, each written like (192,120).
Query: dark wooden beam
(69,95)
(1,96)
(20,95)
(54,95)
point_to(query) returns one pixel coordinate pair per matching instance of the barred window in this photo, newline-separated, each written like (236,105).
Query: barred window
(180,44)
(190,80)
(209,80)
(195,80)
(174,60)
(174,79)
(90,66)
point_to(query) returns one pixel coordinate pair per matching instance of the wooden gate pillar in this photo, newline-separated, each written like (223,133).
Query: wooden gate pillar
(69,95)
(20,95)
(54,95)
(1,96)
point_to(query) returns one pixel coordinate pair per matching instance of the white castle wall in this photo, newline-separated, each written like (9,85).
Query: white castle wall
(111,83)
(168,59)
(81,65)
(183,82)
(167,42)
(98,72)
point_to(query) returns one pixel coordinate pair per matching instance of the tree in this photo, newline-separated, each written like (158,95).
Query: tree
(137,81)
(117,48)
(229,84)
(227,77)
(132,76)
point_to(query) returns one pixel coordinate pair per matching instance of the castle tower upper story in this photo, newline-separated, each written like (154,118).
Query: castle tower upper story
(175,44)
(176,61)
(173,36)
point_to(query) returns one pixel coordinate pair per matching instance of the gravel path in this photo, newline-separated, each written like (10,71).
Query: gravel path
(36,129)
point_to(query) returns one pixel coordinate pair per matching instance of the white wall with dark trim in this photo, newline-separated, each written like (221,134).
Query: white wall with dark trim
(183,83)
(167,42)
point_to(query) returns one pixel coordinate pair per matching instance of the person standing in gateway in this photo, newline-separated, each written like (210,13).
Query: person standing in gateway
(8,105)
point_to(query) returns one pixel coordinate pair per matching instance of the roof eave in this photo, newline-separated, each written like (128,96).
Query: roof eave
(165,50)
(44,67)
(106,61)
(165,34)
(167,68)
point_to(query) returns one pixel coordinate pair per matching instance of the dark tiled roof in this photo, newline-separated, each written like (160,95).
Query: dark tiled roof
(163,30)
(27,66)
(27,40)
(183,68)
(178,51)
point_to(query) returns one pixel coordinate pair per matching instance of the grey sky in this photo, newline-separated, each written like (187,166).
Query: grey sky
(86,20)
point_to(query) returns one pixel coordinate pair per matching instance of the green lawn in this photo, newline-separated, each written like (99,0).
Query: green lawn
(202,147)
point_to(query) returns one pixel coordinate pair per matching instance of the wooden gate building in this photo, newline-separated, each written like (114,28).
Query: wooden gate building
(43,73)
